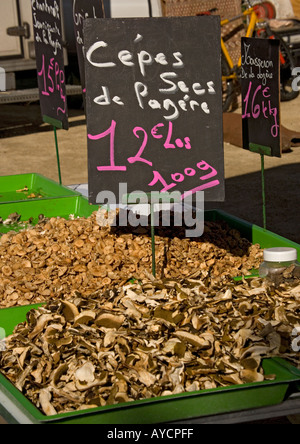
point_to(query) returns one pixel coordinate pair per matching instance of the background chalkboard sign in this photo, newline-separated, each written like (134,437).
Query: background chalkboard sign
(154,106)
(261,96)
(83,9)
(50,61)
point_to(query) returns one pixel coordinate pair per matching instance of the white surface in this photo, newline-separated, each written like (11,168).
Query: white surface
(132,8)
(9,46)
(11,407)
(284,9)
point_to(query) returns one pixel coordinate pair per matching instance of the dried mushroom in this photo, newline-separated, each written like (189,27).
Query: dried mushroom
(58,257)
(147,339)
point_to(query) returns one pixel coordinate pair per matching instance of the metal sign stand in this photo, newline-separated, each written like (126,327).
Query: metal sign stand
(56,124)
(151,199)
(263,151)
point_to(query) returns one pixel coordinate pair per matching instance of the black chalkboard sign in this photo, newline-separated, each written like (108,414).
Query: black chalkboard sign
(83,9)
(261,96)
(154,106)
(50,61)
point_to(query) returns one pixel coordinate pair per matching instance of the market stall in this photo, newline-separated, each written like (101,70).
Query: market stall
(111,315)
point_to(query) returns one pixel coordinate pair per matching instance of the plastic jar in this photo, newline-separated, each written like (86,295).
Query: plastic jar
(277,261)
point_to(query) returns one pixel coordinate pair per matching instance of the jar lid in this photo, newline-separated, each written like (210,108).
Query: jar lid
(280,254)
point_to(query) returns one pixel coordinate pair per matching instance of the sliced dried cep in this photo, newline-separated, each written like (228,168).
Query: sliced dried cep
(42,321)
(146,377)
(70,311)
(109,320)
(84,317)
(86,373)
(7,270)
(251,376)
(58,372)
(168,315)
(194,340)
(44,400)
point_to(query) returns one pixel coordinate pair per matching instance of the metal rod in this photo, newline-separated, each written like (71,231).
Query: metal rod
(57,155)
(153,240)
(150,8)
(263,190)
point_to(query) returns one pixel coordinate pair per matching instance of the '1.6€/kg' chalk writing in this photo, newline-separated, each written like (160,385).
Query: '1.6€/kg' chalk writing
(53,81)
(157,177)
(254,108)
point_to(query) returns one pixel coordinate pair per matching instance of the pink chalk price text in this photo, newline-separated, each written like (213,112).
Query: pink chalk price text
(168,142)
(257,103)
(53,81)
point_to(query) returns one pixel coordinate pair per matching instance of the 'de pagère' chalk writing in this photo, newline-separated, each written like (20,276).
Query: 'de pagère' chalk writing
(50,59)
(154,105)
(83,9)
(260,94)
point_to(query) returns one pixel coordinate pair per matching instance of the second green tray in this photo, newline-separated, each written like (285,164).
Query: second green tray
(14,188)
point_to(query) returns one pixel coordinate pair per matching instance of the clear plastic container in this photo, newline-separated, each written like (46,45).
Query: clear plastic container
(279,263)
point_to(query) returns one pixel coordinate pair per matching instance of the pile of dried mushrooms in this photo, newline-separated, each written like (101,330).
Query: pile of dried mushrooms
(59,256)
(149,339)
(103,340)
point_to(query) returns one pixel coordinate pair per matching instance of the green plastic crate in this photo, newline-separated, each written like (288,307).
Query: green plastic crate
(13,404)
(64,207)
(36,184)
(16,407)
(252,232)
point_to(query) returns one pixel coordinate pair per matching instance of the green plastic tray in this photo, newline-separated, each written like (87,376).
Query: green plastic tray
(252,232)
(156,410)
(15,406)
(13,403)
(77,206)
(36,183)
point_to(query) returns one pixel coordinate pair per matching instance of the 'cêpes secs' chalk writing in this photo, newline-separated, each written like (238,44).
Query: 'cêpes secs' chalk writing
(193,95)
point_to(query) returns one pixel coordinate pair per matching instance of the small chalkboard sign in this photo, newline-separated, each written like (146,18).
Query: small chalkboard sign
(154,106)
(47,26)
(261,96)
(83,9)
